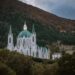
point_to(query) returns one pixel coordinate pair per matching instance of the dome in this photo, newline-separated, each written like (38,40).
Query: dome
(24,33)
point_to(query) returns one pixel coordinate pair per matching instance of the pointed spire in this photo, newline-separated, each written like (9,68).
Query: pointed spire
(10,30)
(25,26)
(33,29)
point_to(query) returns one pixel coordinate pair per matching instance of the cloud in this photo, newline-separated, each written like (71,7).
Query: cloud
(63,8)
(31,2)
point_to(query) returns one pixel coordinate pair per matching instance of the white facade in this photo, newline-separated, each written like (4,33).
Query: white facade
(26,44)
(56,56)
(10,44)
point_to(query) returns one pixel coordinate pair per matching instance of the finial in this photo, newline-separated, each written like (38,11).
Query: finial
(10,31)
(33,29)
(25,26)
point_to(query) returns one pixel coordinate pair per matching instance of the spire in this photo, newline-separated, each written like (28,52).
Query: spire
(33,29)
(25,26)
(10,30)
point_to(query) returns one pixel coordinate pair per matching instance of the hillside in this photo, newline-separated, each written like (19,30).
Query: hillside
(46,18)
(14,63)
(24,65)
(40,15)
(47,25)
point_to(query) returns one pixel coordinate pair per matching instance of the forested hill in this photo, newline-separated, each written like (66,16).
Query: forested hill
(47,25)
(14,63)
(38,14)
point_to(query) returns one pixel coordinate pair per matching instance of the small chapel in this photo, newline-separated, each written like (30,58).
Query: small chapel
(26,44)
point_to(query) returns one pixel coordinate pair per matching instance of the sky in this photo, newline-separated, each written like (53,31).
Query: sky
(62,8)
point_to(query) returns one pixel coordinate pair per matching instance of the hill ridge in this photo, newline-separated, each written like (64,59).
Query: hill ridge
(42,16)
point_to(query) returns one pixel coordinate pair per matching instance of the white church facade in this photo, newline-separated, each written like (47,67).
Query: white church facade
(26,44)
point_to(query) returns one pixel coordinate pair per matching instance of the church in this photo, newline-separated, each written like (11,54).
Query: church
(26,44)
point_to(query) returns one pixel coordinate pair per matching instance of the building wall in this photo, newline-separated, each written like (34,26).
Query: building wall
(28,46)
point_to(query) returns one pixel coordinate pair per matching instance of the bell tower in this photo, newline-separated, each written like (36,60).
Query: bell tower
(10,45)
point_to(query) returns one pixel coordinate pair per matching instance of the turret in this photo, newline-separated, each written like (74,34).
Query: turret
(34,35)
(33,30)
(10,45)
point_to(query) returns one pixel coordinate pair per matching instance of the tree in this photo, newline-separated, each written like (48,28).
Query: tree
(67,65)
(51,69)
(37,69)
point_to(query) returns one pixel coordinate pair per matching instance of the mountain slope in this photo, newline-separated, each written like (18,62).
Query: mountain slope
(40,15)
(45,17)
(47,25)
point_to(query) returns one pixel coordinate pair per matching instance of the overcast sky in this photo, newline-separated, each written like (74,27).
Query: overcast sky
(62,8)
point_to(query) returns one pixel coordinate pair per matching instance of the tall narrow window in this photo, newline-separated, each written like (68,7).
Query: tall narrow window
(37,54)
(9,40)
(33,39)
(30,51)
(23,42)
(27,52)
(19,43)
(33,54)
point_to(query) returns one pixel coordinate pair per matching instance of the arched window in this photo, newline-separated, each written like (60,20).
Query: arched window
(33,39)
(19,43)
(37,54)
(33,54)
(9,40)
(27,52)
(30,51)
(23,42)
